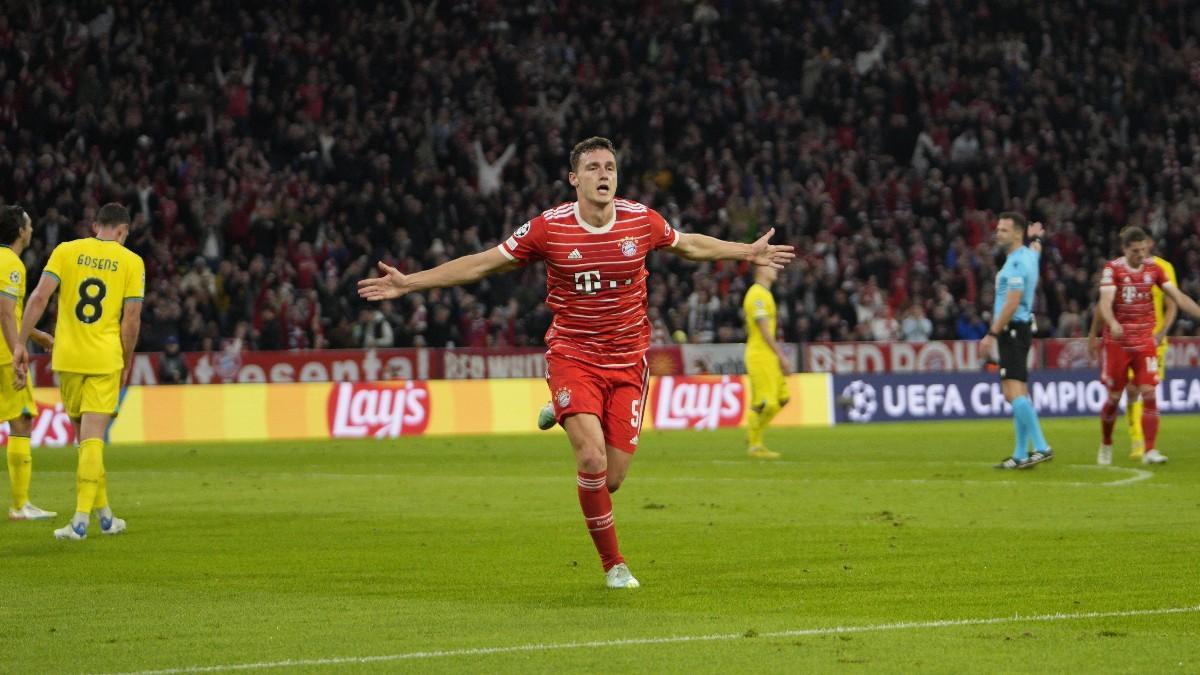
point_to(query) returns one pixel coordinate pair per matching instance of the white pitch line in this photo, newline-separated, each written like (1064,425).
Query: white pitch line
(1138,474)
(678,639)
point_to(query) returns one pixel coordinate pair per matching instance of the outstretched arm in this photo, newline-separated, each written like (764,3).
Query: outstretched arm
(694,246)
(465,270)
(1185,303)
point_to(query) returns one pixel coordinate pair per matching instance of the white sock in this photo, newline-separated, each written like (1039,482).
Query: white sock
(105,512)
(81,519)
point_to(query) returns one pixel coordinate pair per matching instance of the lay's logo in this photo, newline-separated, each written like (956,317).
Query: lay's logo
(378,410)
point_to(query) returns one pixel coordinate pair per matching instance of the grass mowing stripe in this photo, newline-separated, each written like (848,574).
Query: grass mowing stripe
(802,632)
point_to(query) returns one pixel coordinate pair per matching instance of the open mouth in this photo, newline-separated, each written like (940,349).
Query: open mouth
(602,188)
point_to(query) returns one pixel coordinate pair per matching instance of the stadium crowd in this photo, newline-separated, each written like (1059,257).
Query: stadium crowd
(273,152)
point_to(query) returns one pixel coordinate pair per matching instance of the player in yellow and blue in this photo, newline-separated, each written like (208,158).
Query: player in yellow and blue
(16,404)
(100,284)
(1012,331)
(766,363)
(1165,312)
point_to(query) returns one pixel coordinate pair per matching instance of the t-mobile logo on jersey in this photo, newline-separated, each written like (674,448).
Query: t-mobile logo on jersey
(587,282)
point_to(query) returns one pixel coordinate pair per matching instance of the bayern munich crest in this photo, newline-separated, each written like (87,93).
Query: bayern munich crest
(628,248)
(563,397)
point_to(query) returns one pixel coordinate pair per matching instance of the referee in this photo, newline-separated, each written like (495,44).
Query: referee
(1012,331)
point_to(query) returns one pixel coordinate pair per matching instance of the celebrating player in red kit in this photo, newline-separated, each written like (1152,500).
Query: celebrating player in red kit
(595,253)
(1127,307)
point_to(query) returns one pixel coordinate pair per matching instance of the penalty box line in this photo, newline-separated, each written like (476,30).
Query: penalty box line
(678,639)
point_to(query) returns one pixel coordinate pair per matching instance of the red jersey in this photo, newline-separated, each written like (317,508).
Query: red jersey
(1133,305)
(595,279)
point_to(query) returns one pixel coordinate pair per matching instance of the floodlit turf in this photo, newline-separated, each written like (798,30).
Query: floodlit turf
(428,552)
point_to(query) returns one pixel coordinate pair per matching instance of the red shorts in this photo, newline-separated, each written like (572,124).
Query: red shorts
(615,395)
(1116,362)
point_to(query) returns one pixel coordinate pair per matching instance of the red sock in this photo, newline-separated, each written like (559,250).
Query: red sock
(1150,420)
(597,512)
(1108,418)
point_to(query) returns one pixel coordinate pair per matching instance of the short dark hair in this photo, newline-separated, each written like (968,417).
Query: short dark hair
(1132,235)
(588,145)
(12,219)
(112,214)
(1017,219)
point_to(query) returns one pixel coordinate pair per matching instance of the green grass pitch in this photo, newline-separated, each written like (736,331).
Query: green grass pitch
(884,548)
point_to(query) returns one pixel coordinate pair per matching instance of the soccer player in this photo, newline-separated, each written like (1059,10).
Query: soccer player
(16,404)
(99,316)
(766,363)
(1012,331)
(1130,351)
(1165,311)
(595,250)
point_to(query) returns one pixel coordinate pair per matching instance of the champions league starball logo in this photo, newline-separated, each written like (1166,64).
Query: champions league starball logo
(858,398)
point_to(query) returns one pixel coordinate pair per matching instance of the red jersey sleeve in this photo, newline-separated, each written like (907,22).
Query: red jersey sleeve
(1108,277)
(527,242)
(662,234)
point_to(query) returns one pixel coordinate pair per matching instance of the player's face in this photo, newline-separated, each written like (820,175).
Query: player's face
(595,179)
(768,275)
(1005,232)
(27,232)
(1136,252)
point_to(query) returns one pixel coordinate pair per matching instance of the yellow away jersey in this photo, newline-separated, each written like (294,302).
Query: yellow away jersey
(1156,292)
(96,278)
(12,286)
(758,304)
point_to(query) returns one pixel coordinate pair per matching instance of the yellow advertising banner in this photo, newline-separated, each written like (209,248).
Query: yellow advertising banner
(252,412)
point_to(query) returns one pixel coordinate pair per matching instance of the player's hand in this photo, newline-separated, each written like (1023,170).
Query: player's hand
(20,367)
(391,285)
(985,345)
(765,254)
(785,364)
(1094,347)
(43,340)
(1116,329)
(1036,230)
(1160,336)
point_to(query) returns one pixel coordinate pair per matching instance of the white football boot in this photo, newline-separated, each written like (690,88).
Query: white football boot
(1153,456)
(112,525)
(1104,456)
(30,512)
(619,576)
(71,532)
(546,417)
